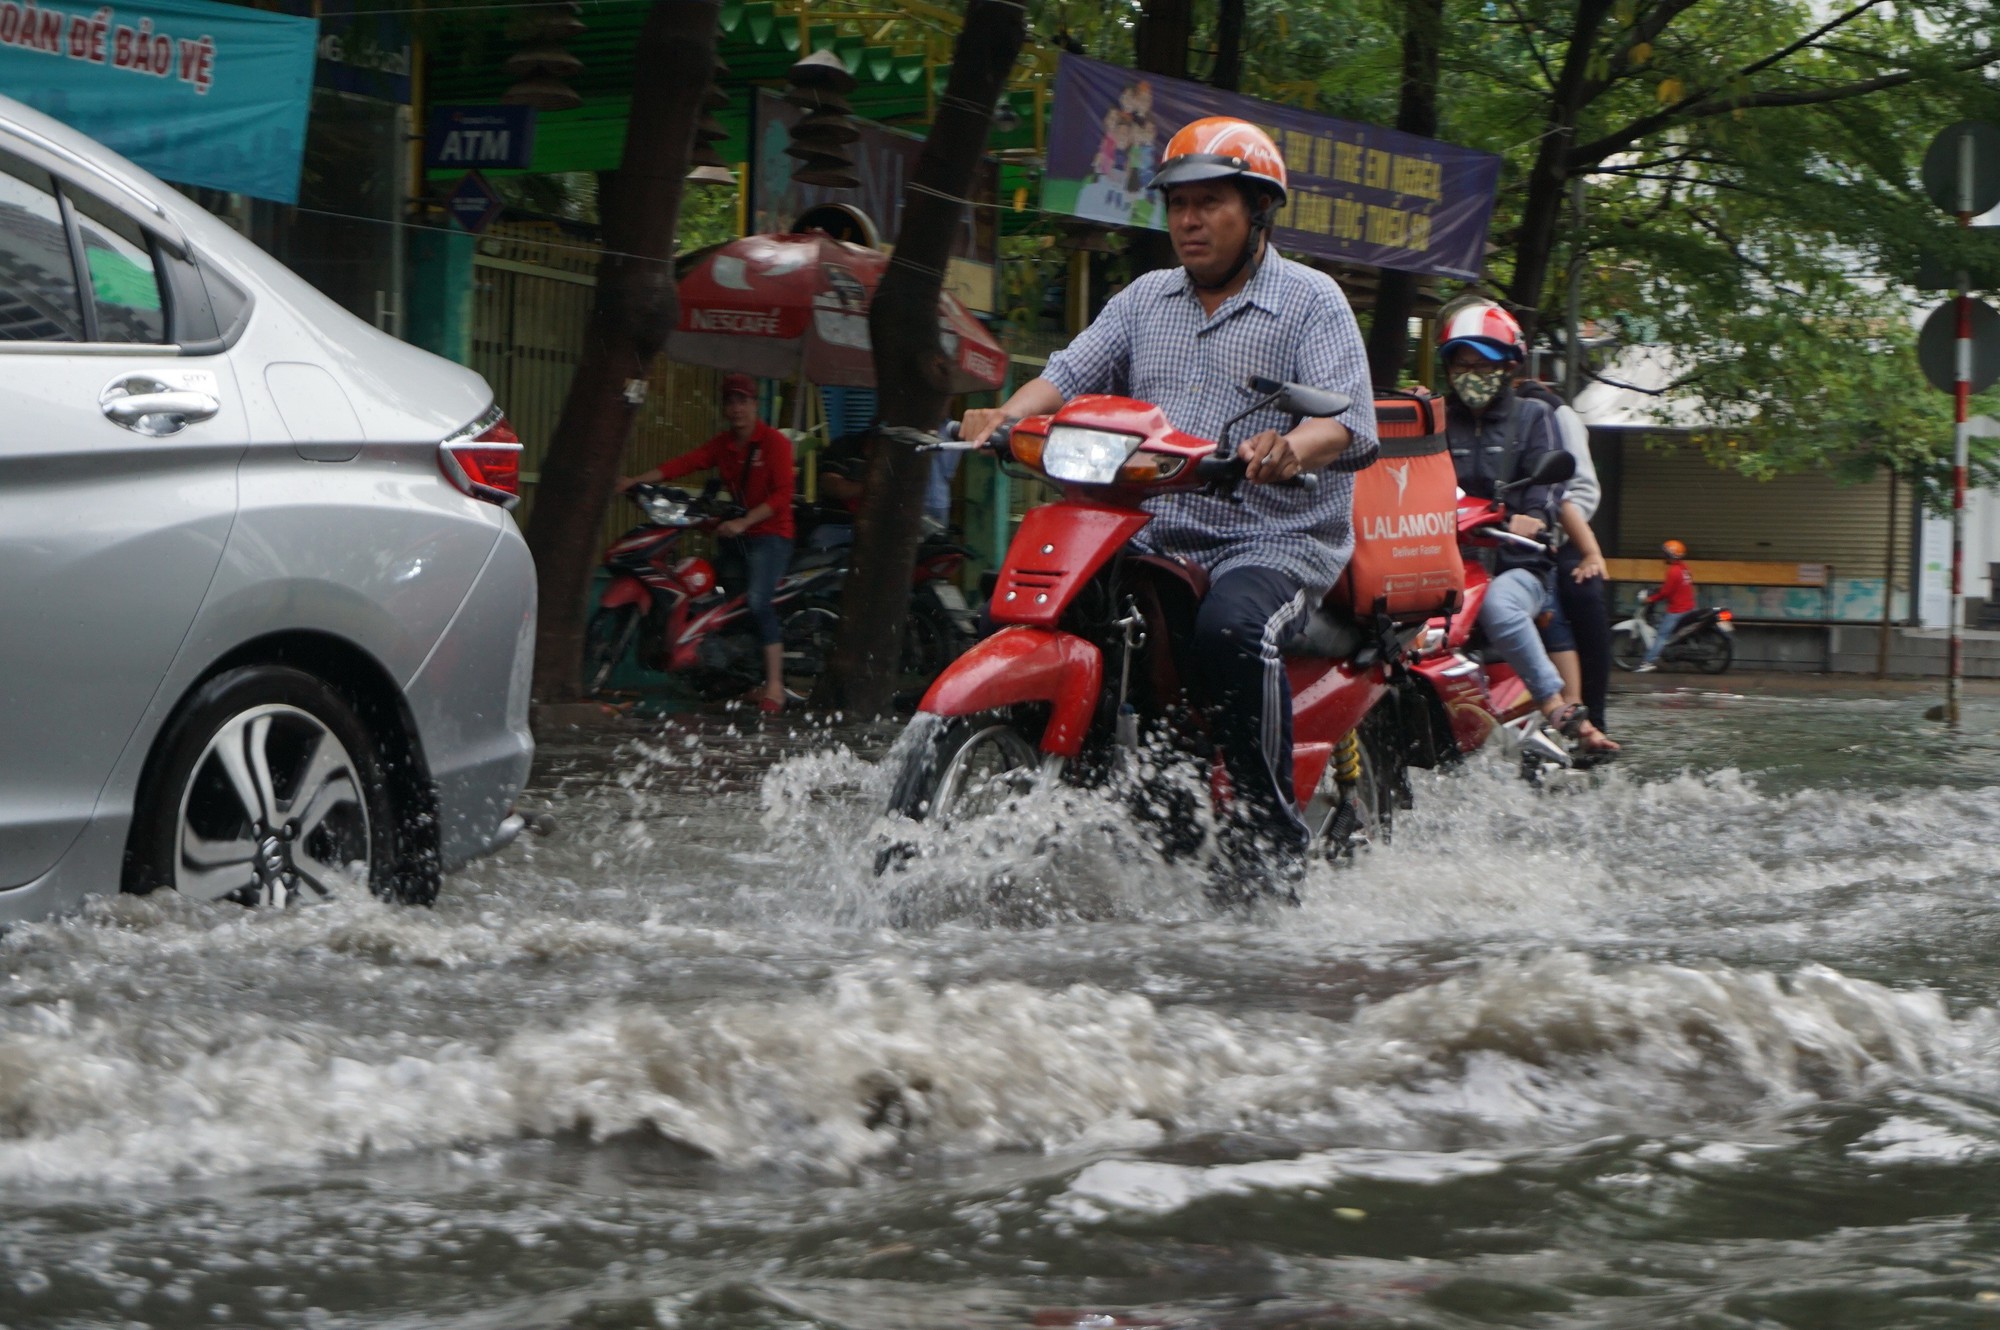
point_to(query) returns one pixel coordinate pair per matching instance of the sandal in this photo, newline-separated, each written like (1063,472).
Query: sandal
(1573,722)
(769,705)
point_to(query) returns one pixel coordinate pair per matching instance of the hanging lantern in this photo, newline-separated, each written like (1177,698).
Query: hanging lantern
(819,87)
(541,68)
(544,93)
(811,100)
(821,69)
(709,168)
(825,131)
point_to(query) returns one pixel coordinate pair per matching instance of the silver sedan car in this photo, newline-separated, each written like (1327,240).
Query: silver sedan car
(265,620)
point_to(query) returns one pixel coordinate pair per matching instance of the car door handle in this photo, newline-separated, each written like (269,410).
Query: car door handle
(147,406)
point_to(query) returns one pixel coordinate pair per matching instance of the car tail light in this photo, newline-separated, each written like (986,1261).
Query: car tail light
(484,460)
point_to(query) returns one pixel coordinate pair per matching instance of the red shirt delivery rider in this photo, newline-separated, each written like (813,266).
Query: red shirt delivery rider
(755,462)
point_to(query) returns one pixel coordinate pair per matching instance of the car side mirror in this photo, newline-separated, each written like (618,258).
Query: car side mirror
(1297,399)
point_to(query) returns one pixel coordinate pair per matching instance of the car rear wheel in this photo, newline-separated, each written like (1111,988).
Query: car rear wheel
(268,788)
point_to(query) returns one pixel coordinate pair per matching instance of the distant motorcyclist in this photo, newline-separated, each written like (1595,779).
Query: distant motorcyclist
(1496,437)
(1187,339)
(1677,590)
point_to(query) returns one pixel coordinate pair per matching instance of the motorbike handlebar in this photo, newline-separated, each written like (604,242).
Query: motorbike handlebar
(1229,470)
(700,507)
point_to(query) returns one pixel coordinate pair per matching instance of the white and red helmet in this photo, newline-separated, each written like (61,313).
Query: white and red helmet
(1486,328)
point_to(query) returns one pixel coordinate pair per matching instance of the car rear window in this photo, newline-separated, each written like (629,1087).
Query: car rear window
(39,300)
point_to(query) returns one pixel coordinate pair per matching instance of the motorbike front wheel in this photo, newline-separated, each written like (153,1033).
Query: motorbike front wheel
(1711,650)
(605,643)
(1627,651)
(968,767)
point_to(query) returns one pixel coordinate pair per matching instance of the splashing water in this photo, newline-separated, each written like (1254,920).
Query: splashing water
(1717,1036)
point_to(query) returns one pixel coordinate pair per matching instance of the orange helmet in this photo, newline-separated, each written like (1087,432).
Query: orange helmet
(1221,147)
(1486,328)
(1675,550)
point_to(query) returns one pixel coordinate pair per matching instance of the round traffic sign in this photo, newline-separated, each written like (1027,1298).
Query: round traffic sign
(1937,346)
(1943,165)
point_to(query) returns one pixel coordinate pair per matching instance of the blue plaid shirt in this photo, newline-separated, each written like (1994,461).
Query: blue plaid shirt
(1289,322)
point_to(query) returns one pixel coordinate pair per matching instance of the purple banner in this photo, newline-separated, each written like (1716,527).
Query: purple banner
(1359,193)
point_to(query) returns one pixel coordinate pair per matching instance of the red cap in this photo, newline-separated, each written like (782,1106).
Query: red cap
(734,384)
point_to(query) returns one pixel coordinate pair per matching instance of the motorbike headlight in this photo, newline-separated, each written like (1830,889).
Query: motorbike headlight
(1087,456)
(665,511)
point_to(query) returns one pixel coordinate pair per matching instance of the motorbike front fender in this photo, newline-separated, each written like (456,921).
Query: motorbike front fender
(1020,664)
(626,590)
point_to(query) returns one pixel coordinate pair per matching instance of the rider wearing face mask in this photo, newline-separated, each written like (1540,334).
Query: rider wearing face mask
(1496,437)
(1188,339)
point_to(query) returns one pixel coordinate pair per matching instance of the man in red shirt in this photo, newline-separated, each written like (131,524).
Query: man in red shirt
(1677,589)
(755,462)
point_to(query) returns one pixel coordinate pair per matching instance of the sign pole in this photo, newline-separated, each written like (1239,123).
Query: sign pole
(1961,448)
(1958,346)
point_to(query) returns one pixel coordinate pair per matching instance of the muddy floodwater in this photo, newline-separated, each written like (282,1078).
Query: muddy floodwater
(1712,1042)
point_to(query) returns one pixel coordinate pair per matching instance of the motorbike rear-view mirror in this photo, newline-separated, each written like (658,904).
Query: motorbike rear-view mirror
(1297,399)
(1554,468)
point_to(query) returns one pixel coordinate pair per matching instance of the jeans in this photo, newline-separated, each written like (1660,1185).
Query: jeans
(1588,610)
(1237,672)
(1515,600)
(1668,622)
(755,563)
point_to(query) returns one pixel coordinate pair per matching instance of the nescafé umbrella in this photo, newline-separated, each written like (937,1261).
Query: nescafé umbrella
(796,306)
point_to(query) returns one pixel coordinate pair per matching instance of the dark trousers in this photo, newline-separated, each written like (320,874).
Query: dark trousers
(1237,674)
(1587,605)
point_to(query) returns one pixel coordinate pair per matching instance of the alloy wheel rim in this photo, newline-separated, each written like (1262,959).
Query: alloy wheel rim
(272,810)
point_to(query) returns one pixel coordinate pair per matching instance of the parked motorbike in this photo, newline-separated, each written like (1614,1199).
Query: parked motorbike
(1705,639)
(680,622)
(941,623)
(1088,655)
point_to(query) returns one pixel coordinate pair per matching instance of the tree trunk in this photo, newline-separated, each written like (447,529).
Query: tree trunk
(1228,73)
(1416,113)
(1159,46)
(1160,43)
(910,368)
(633,311)
(1542,210)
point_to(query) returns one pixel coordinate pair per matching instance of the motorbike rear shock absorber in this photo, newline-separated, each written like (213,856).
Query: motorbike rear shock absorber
(1347,759)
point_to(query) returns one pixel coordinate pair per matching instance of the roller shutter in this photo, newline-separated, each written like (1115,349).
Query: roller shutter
(1675,492)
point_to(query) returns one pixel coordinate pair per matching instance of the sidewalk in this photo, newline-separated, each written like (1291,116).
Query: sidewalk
(1776,683)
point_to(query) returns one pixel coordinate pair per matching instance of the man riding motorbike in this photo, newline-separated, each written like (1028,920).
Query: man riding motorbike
(1189,339)
(1496,437)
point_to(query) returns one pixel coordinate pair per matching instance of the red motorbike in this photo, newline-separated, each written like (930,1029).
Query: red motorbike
(1455,694)
(1087,655)
(668,608)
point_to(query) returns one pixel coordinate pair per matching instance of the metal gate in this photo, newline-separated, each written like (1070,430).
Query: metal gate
(532,288)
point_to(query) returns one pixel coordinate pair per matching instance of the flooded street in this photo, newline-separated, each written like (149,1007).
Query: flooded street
(1710,1042)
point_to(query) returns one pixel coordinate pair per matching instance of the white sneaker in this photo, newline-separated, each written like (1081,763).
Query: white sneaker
(1647,668)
